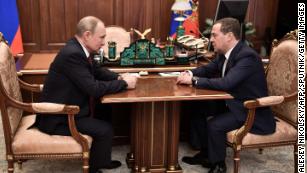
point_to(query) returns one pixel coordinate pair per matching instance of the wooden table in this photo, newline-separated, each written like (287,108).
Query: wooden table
(155,121)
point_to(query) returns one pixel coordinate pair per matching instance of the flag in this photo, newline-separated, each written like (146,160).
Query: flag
(9,25)
(190,24)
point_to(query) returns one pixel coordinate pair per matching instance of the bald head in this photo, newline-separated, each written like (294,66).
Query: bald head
(88,23)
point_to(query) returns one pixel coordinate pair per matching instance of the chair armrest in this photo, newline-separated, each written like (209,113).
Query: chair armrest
(30,87)
(47,108)
(54,108)
(264,101)
(251,105)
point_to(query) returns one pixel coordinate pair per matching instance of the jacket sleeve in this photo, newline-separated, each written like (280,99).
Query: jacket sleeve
(102,73)
(241,70)
(78,70)
(210,70)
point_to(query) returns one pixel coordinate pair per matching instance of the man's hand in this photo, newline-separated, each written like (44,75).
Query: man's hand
(184,78)
(130,80)
(121,76)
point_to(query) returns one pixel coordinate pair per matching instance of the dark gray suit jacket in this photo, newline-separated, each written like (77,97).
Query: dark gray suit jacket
(73,80)
(244,79)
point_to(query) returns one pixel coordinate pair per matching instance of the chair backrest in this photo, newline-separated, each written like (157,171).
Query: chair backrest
(9,87)
(118,35)
(282,74)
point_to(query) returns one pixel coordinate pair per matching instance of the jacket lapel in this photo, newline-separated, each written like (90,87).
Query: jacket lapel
(232,56)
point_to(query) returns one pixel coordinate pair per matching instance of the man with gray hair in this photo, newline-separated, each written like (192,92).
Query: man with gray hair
(74,79)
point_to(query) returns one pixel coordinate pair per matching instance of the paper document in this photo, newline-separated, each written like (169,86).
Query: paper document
(167,74)
(135,74)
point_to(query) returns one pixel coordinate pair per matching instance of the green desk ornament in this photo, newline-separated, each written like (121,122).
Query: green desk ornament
(169,49)
(111,50)
(142,52)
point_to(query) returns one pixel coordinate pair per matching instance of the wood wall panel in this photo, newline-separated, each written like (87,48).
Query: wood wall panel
(206,10)
(47,24)
(57,28)
(102,9)
(119,12)
(71,16)
(58,21)
(29,22)
(263,14)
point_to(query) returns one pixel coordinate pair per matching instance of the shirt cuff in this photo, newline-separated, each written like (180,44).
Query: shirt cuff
(190,72)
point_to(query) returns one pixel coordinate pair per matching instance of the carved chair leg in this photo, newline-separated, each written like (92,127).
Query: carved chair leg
(19,164)
(260,150)
(85,166)
(295,157)
(10,166)
(236,161)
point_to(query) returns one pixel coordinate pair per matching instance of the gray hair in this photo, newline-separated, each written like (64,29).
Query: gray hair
(88,23)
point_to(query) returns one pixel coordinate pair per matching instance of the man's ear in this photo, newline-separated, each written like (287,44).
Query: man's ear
(230,35)
(86,35)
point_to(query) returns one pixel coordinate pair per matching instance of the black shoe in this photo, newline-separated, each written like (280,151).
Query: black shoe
(99,171)
(114,164)
(197,159)
(218,168)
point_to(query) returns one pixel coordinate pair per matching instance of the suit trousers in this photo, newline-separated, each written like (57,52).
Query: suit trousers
(100,129)
(217,128)
(102,134)
(199,111)
(210,122)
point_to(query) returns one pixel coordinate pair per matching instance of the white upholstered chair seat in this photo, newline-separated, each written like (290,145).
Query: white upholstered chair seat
(33,141)
(284,132)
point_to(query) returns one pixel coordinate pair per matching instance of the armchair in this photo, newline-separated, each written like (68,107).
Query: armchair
(22,143)
(281,77)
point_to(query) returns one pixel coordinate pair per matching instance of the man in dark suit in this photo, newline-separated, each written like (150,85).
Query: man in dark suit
(74,79)
(238,70)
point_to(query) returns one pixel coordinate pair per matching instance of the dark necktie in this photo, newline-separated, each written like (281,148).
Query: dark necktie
(224,67)
(92,100)
(91,58)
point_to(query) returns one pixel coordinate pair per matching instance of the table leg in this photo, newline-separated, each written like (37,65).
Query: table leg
(156,134)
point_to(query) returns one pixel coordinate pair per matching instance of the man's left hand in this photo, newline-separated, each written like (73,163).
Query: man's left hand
(184,78)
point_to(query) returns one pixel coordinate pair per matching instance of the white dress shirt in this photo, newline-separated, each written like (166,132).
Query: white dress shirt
(227,54)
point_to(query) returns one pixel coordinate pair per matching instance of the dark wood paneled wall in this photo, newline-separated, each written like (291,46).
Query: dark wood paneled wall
(263,14)
(47,24)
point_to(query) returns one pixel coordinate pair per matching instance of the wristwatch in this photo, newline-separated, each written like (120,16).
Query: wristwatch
(194,80)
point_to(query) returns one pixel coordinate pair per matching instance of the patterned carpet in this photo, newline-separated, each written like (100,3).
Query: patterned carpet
(273,160)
